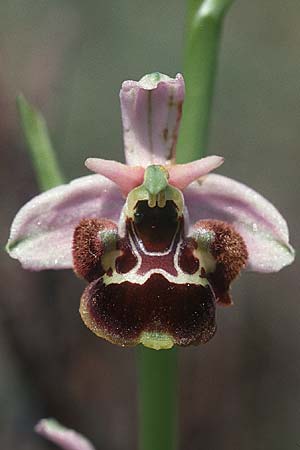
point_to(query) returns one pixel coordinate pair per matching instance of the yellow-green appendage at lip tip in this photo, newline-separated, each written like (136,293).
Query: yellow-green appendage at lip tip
(156,341)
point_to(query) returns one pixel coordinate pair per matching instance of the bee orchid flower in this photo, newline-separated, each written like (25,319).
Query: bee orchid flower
(65,438)
(159,243)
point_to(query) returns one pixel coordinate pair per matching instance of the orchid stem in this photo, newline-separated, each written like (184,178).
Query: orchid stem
(203,35)
(158,369)
(158,399)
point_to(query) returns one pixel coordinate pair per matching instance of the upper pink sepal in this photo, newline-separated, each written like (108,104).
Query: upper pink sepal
(181,175)
(151,111)
(42,231)
(126,177)
(263,228)
(63,437)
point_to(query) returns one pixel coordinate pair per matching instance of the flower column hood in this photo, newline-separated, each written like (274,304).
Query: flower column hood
(158,243)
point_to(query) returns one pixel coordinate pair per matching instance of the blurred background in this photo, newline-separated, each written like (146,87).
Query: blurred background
(240,391)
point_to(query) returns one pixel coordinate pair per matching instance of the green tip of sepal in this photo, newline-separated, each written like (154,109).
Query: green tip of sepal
(151,80)
(39,145)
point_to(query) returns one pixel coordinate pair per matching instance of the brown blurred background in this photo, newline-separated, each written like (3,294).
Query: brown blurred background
(240,391)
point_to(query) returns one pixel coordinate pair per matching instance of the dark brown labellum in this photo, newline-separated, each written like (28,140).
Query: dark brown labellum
(153,285)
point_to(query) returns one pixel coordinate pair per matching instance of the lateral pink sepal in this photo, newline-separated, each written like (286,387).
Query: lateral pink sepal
(42,231)
(262,227)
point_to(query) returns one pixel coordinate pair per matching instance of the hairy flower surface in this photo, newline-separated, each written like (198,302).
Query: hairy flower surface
(159,243)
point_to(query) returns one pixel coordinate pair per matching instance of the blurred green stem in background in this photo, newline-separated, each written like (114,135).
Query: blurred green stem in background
(158,377)
(203,35)
(42,155)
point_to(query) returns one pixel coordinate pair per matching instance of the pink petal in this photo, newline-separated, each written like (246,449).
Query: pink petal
(151,112)
(255,218)
(42,231)
(181,175)
(63,437)
(126,177)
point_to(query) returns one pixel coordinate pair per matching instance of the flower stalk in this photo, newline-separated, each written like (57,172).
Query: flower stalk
(158,375)
(158,384)
(203,35)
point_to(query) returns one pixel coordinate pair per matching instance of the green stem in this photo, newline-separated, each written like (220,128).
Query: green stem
(158,369)
(158,399)
(203,33)
(42,155)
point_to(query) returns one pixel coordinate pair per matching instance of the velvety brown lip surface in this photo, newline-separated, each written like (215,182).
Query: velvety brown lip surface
(121,312)
(187,261)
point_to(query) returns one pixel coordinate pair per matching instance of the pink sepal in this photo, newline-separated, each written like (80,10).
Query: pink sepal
(151,111)
(42,231)
(263,228)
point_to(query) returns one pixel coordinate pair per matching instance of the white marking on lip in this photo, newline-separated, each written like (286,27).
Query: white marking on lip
(137,247)
(133,276)
(145,251)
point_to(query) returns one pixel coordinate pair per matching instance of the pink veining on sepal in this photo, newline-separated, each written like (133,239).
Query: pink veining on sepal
(181,175)
(260,224)
(126,177)
(65,438)
(151,111)
(42,231)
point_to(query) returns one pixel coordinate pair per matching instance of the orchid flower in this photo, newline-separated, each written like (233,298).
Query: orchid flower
(159,243)
(66,439)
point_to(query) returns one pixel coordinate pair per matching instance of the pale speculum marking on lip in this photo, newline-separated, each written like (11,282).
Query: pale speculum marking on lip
(154,285)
